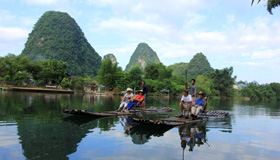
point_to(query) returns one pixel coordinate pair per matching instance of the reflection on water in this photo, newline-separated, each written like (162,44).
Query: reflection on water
(192,135)
(32,126)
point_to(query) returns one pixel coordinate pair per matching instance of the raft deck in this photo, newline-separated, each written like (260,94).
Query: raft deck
(175,121)
(152,110)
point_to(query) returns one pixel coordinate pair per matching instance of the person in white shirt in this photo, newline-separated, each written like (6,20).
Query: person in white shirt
(185,104)
(126,98)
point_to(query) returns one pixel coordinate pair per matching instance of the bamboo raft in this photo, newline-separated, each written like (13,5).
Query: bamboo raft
(175,121)
(152,110)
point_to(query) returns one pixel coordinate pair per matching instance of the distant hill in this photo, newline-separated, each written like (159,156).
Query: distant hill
(142,56)
(111,57)
(56,35)
(255,82)
(198,65)
(179,68)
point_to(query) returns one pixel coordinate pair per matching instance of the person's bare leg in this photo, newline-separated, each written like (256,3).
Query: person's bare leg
(181,108)
(188,109)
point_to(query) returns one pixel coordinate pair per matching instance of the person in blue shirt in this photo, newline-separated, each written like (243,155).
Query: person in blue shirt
(198,105)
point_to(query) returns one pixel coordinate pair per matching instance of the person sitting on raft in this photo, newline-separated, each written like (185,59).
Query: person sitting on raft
(138,100)
(198,105)
(185,104)
(126,98)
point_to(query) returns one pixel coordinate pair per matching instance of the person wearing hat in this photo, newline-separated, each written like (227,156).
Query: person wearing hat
(197,135)
(138,100)
(198,105)
(125,99)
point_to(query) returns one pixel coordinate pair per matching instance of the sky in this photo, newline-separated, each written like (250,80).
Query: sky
(229,33)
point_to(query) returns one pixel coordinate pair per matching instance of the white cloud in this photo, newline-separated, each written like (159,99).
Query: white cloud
(12,40)
(266,54)
(11,34)
(5,16)
(253,64)
(130,29)
(231,18)
(42,2)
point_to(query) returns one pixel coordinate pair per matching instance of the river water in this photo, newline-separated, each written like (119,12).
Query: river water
(32,126)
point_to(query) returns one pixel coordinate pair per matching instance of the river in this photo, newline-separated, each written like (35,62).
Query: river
(32,126)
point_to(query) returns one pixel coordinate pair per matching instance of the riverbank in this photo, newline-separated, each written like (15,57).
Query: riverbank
(36,89)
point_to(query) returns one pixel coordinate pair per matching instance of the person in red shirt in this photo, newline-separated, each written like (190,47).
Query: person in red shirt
(138,100)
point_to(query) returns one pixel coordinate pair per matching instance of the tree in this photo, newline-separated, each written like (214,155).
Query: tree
(276,88)
(108,73)
(270,4)
(135,77)
(223,81)
(21,77)
(14,69)
(205,84)
(77,83)
(158,71)
(65,83)
(123,80)
(259,92)
(152,71)
(51,71)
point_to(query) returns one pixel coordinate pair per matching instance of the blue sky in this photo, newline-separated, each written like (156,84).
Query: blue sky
(229,33)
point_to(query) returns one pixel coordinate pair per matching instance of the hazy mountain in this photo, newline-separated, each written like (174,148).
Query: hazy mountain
(198,65)
(111,57)
(142,56)
(179,69)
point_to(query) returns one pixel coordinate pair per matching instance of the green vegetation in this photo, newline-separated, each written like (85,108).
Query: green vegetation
(108,73)
(56,35)
(179,73)
(271,4)
(217,82)
(14,70)
(50,71)
(179,69)
(157,71)
(261,92)
(18,70)
(142,56)
(159,77)
(222,81)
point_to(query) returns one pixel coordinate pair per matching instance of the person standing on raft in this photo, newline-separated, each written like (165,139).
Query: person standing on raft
(145,92)
(193,89)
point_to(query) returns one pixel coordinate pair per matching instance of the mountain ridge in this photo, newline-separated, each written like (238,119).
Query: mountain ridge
(142,56)
(56,35)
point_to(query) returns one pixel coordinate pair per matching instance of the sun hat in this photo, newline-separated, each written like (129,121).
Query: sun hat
(200,93)
(128,89)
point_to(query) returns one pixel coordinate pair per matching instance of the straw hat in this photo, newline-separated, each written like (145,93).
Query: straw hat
(128,89)
(141,91)
(200,93)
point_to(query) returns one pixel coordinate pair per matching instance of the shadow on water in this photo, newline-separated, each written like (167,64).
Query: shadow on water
(141,133)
